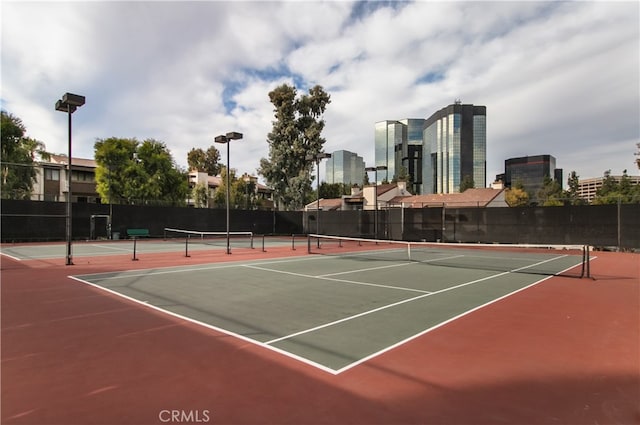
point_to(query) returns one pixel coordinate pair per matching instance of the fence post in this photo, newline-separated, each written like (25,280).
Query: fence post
(442,238)
(619,226)
(135,238)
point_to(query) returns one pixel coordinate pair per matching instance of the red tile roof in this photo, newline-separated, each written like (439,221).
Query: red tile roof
(468,198)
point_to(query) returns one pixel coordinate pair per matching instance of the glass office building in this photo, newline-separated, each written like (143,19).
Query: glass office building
(399,144)
(411,153)
(345,167)
(454,147)
(388,138)
(530,172)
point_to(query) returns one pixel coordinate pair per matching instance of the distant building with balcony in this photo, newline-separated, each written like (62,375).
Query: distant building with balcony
(262,193)
(51,180)
(587,188)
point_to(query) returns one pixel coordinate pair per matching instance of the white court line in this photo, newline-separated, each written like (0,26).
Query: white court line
(173,269)
(336,280)
(404,263)
(11,256)
(208,326)
(326,325)
(295,356)
(465,313)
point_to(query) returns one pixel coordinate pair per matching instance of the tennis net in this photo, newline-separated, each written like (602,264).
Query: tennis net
(551,260)
(243,239)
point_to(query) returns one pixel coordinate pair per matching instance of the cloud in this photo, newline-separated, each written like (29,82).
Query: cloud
(557,78)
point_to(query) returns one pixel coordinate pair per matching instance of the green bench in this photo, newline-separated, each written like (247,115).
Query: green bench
(137,233)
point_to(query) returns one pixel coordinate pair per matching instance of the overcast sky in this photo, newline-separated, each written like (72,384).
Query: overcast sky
(558,78)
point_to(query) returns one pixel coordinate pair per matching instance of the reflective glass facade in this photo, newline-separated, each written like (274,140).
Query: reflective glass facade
(530,171)
(454,146)
(480,150)
(345,167)
(388,140)
(399,144)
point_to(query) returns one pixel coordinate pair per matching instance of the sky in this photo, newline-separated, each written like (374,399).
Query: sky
(557,78)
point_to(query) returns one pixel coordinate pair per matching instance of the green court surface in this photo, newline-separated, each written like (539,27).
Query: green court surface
(332,312)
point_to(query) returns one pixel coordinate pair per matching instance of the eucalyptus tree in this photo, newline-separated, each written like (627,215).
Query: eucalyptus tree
(296,134)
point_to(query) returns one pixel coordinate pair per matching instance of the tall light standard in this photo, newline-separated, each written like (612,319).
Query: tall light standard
(69,103)
(375,195)
(226,139)
(317,158)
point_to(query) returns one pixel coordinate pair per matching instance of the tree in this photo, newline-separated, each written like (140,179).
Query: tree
(18,154)
(204,162)
(334,190)
(296,134)
(241,193)
(467,183)
(608,192)
(572,194)
(517,196)
(613,191)
(200,195)
(550,195)
(246,192)
(403,175)
(132,172)
(638,156)
(113,156)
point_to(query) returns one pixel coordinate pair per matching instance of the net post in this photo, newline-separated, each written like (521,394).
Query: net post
(251,240)
(263,250)
(588,261)
(134,249)
(186,246)
(309,243)
(340,243)
(293,242)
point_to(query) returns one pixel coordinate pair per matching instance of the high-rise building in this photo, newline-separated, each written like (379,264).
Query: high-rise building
(388,135)
(411,153)
(454,148)
(399,144)
(345,167)
(530,172)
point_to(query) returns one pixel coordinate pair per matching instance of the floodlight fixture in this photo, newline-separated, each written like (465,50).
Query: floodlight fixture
(226,139)
(69,103)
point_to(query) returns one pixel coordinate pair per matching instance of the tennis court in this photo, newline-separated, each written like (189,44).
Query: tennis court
(339,330)
(336,311)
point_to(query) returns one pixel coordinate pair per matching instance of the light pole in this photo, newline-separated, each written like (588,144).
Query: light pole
(69,103)
(226,139)
(375,195)
(317,158)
